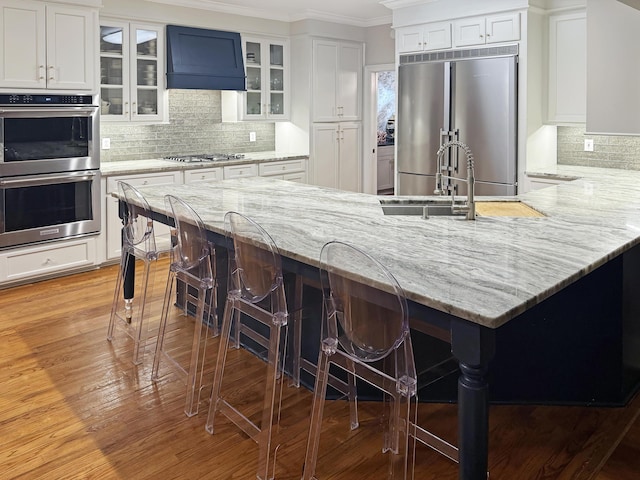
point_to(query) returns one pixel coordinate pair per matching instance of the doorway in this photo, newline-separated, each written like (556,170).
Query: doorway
(379,128)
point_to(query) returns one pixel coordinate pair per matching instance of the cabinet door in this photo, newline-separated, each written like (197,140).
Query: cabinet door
(146,67)
(503,28)
(469,31)
(437,36)
(410,39)
(349,81)
(324,155)
(349,158)
(325,80)
(70,48)
(568,67)
(22,23)
(267,80)
(114,70)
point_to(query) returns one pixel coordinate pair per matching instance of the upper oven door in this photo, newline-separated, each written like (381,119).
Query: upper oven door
(48,139)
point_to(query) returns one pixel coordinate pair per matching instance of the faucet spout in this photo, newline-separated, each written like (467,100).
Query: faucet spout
(469,207)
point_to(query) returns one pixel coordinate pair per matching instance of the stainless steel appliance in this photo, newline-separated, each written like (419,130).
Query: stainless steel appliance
(49,167)
(205,157)
(458,95)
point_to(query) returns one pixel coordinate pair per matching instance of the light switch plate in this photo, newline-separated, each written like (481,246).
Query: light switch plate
(252,136)
(588,145)
(106,143)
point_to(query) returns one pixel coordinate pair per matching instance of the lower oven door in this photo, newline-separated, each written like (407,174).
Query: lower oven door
(37,208)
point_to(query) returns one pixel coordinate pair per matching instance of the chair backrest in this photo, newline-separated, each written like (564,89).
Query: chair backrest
(138,225)
(191,250)
(258,266)
(368,310)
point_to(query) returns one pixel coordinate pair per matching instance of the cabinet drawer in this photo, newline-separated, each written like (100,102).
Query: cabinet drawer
(279,168)
(32,262)
(239,171)
(202,175)
(166,178)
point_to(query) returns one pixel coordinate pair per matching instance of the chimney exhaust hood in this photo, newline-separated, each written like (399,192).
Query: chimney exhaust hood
(198,58)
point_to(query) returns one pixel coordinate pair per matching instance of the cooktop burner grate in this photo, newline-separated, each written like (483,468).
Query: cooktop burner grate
(205,157)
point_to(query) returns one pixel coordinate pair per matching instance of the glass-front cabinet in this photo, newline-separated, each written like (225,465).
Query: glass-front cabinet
(266,64)
(131,65)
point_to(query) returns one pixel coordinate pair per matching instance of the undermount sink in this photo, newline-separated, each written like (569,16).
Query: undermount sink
(442,207)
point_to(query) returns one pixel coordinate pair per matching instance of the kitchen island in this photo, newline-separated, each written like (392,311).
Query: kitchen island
(476,279)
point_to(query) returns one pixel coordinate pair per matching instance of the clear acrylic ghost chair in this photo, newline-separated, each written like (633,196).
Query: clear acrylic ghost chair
(365,332)
(255,290)
(191,282)
(132,293)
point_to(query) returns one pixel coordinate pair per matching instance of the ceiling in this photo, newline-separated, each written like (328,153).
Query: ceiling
(363,13)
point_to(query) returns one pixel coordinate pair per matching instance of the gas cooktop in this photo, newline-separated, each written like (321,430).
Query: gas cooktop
(205,157)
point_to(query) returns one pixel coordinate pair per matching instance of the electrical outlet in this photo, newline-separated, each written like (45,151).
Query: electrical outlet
(252,136)
(588,145)
(106,143)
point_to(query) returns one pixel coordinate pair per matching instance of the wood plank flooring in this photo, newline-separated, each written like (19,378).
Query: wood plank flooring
(73,406)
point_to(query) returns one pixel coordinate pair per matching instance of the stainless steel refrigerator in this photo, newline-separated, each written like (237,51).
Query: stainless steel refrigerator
(470,100)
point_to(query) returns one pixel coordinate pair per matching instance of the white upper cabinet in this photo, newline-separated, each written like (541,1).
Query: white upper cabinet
(56,46)
(433,36)
(267,69)
(131,71)
(337,80)
(490,29)
(568,67)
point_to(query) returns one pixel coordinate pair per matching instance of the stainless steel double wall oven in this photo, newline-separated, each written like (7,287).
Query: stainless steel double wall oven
(49,167)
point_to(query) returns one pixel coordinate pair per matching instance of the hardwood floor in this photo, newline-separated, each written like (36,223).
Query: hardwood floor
(73,406)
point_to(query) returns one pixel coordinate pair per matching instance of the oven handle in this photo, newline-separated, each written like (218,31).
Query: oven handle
(35,181)
(47,112)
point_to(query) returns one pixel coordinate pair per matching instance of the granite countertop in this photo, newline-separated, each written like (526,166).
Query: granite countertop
(126,167)
(486,271)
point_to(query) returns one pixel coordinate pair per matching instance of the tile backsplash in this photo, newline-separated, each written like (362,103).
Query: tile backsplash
(195,126)
(610,151)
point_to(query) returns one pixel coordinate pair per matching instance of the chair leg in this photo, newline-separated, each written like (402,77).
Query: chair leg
(402,461)
(171,280)
(229,311)
(140,338)
(352,394)
(317,410)
(116,297)
(196,364)
(268,409)
(297,331)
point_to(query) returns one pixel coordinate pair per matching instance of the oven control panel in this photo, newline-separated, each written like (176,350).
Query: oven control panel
(39,99)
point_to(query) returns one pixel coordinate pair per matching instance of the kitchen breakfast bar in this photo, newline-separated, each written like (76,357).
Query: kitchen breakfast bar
(536,309)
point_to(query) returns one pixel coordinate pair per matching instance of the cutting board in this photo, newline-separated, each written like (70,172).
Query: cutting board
(506,209)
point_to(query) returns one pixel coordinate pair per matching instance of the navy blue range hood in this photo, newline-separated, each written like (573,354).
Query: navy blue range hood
(198,58)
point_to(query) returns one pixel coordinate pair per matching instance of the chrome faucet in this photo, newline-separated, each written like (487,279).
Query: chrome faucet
(469,207)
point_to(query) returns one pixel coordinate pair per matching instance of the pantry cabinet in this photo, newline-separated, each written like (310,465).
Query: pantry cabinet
(335,155)
(131,71)
(56,46)
(337,80)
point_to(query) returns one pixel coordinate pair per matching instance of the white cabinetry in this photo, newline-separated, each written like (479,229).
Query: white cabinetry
(337,80)
(267,69)
(385,167)
(292,170)
(335,157)
(46,260)
(47,46)
(491,29)
(131,71)
(203,175)
(568,67)
(433,36)
(114,223)
(241,171)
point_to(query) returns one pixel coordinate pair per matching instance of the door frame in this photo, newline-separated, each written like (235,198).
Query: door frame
(369,126)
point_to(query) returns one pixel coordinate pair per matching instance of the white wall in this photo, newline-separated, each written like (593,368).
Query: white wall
(380,45)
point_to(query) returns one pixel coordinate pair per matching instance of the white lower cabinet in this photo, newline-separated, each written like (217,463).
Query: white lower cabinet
(385,168)
(241,171)
(47,259)
(114,224)
(203,175)
(336,155)
(292,170)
